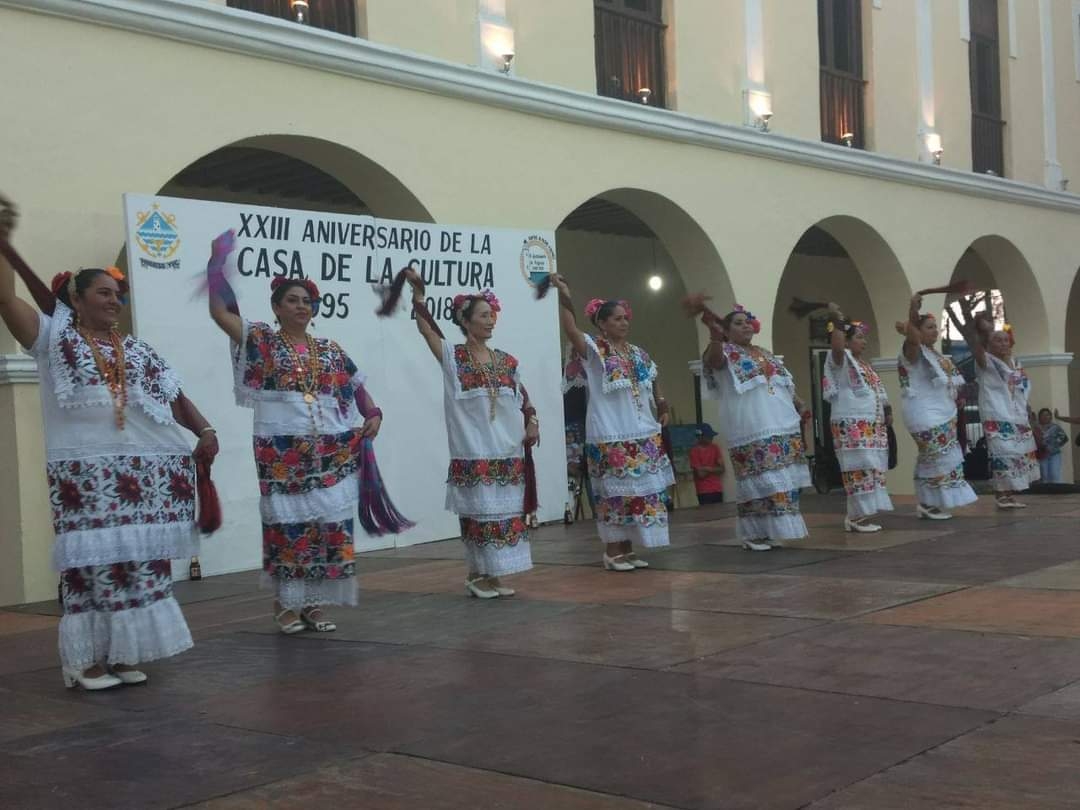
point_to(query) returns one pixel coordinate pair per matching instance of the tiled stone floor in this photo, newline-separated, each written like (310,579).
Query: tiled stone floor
(936,665)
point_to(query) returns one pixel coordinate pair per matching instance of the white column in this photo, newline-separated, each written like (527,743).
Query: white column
(965,20)
(757,100)
(929,139)
(1014,35)
(17,368)
(494,36)
(1052,172)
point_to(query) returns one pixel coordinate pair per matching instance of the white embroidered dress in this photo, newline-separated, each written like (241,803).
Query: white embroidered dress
(123,501)
(306,462)
(1003,409)
(628,467)
(857,398)
(928,388)
(756,401)
(485,484)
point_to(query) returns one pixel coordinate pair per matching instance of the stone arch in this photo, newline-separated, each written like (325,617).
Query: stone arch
(612,242)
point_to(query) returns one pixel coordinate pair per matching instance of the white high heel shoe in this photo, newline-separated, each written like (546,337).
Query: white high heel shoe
(859,526)
(617,563)
(73,678)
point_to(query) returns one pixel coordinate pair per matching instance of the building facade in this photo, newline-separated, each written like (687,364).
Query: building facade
(715,144)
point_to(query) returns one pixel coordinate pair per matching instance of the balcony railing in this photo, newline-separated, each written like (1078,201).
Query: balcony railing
(987,144)
(842,108)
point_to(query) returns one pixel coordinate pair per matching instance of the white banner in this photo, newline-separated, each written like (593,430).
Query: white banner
(168,244)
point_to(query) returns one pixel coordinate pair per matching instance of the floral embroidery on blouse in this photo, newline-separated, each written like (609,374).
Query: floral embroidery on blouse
(149,378)
(269,367)
(748,369)
(624,370)
(473,375)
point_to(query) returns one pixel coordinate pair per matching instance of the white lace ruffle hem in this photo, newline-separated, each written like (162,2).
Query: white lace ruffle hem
(865,504)
(785,479)
(326,505)
(653,536)
(142,541)
(490,561)
(485,499)
(949,497)
(133,636)
(610,486)
(297,594)
(772,527)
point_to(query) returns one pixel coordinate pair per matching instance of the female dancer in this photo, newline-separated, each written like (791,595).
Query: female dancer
(628,468)
(309,398)
(762,418)
(484,402)
(859,422)
(928,384)
(121,474)
(1004,389)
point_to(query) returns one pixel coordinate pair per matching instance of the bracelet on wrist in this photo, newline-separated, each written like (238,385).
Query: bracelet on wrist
(208,429)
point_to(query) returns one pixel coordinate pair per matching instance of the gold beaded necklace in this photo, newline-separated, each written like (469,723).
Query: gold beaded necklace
(113,376)
(491,374)
(305,377)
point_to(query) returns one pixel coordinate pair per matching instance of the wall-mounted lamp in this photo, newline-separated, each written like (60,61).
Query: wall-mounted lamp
(1064,183)
(301,11)
(507,60)
(656,283)
(934,148)
(644,94)
(758,109)
(848,138)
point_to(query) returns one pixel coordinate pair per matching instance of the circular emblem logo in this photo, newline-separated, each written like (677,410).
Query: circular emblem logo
(537,259)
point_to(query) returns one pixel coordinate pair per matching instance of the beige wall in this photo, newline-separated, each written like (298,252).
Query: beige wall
(553,41)
(892,80)
(952,86)
(445,29)
(1067,91)
(728,221)
(1021,95)
(710,59)
(792,66)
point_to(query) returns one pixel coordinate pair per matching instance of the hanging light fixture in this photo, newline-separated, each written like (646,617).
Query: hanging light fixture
(300,10)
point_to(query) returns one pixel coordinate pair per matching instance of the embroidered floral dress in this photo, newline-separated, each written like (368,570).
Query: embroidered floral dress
(763,430)
(485,485)
(1003,408)
(928,400)
(123,501)
(628,468)
(861,442)
(306,460)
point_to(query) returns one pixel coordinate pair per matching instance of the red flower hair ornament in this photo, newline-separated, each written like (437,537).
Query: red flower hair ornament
(755,324)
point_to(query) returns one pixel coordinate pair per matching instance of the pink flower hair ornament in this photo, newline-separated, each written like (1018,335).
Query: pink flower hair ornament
(594,305)
(462,300)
